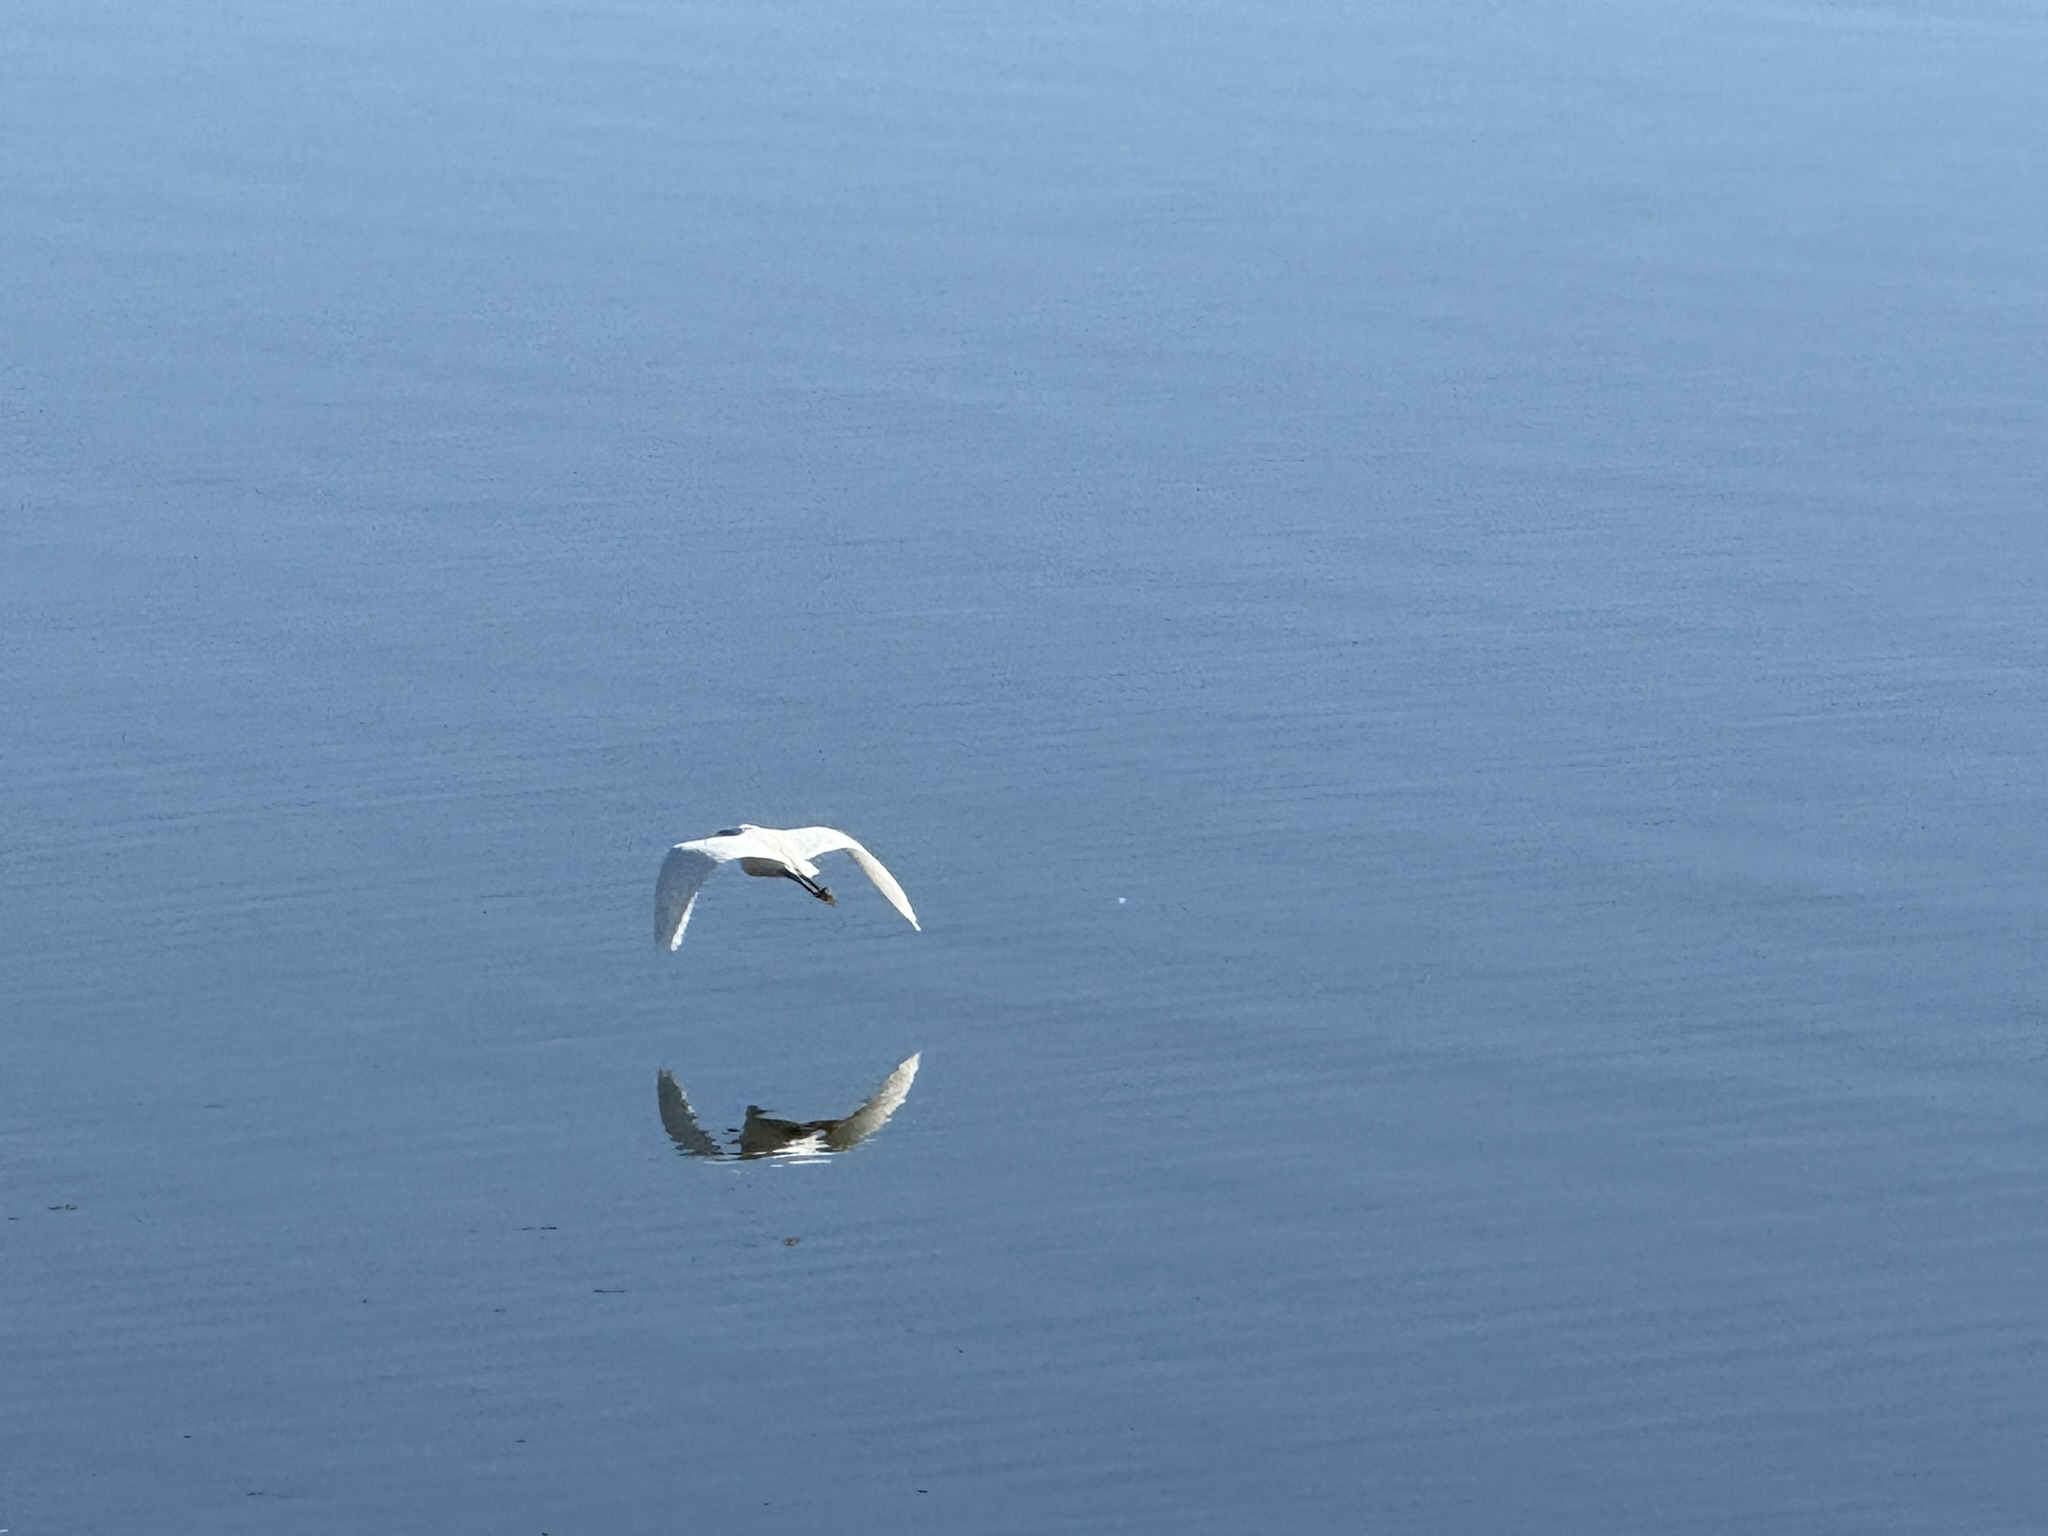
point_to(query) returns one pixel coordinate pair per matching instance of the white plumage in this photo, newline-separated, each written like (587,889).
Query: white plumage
(767,851)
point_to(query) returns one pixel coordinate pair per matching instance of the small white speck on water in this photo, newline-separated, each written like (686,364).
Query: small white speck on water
(1119,901)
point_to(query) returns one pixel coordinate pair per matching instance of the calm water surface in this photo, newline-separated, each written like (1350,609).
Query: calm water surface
(1441,609)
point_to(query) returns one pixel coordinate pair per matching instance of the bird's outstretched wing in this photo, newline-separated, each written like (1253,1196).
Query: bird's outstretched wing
(809,842)
(683,874)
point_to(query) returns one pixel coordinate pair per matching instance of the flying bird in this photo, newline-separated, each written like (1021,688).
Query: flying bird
(766,851)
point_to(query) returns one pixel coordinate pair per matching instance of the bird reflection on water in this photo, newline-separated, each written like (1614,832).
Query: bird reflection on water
(766,1136)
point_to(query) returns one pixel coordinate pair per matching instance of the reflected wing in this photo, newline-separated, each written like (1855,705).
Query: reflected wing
(683,874)
(679,1121)
(874,1114)
(809,842)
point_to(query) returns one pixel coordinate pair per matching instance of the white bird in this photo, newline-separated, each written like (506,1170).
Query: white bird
(766,851)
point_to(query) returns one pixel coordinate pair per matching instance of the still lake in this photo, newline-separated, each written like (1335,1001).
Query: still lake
(1441,608)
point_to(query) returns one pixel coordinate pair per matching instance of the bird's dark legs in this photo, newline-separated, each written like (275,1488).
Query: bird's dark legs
(812,886)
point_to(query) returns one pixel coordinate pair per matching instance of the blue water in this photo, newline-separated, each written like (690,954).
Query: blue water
(1441,610)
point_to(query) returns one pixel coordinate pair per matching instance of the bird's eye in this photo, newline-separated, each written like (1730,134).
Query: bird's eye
(728,832)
